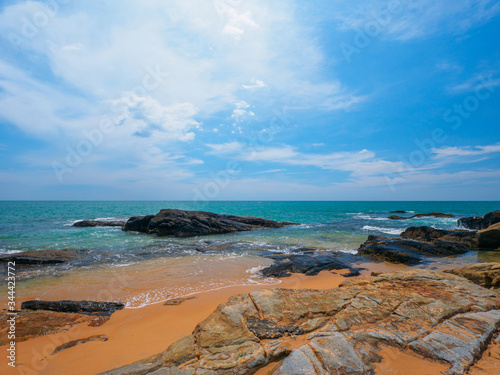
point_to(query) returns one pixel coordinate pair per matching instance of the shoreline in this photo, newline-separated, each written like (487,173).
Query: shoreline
(136,333)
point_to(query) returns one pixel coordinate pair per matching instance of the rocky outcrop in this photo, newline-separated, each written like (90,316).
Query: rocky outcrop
(489,238)
(78,307)
(31,324)
(411,252)
(438,236)
(430,214)
(179,223)
(98,223)
(38,257)
(484,274)
(308,264)
(481,222)
(432,315)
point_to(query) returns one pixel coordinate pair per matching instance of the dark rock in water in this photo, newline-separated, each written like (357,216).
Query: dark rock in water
(309,265)
(98,223)
(40,257)
(489,238)
(78,307)
(484,274)
(138,224)
(430,214)
(409,252)
(434,236)
(73,343)
(179,223)
(481,222)
(398,212)
(445,318)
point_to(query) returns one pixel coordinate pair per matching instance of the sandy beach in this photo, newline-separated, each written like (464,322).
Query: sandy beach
(134,334)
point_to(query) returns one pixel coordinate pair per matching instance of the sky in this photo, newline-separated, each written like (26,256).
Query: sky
(250,100)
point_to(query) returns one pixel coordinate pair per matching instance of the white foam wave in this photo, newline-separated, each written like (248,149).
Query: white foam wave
(384,230)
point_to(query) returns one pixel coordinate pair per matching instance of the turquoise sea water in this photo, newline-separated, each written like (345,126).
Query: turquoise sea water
(34,225)
(157,268)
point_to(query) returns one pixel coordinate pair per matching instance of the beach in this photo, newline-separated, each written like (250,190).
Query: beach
(199,274)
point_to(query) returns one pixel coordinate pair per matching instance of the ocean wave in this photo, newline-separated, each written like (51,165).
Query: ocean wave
(369,217)
(395,231)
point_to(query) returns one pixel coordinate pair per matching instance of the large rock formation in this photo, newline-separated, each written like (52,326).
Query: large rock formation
(439,236)
(179,223)
(79,307)
(489,238)
(405,251)
(484,274)
(436,316)
(481,222)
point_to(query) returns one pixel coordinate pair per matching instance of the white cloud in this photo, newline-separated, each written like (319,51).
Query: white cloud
(464,151)
(479,81)
(256,84)
(406,20)
(361,163)
(237,23)
(241,113)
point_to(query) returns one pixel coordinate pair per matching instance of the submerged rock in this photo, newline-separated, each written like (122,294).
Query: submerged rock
(308,264)
(79,307)
(98,223)
(481,222)
(179,223)
(340,331)
(50,256)
(489,238)
(484,274)
(430,214)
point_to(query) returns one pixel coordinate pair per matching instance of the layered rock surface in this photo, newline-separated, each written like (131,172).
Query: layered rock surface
(484,274)
(179,223)
(489,238)
(438,316)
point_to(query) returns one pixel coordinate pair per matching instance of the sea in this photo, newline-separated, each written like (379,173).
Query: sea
(144,269)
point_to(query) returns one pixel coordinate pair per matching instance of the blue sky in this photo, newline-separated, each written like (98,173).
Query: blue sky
(250,100)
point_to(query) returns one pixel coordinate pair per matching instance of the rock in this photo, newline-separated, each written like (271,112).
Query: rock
(39,257)
(179,223)
(79,307)
(482,222)
(70,344)
(430,214)
(31,324)
(489,238)
(177,301)
(340,331)
(399,250)
(484,274)
(459,340)
(138,224)
(436,236)
(98,223)
(308,264)
(398,212)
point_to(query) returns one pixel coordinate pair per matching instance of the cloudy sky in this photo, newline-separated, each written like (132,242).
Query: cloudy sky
(250,100)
